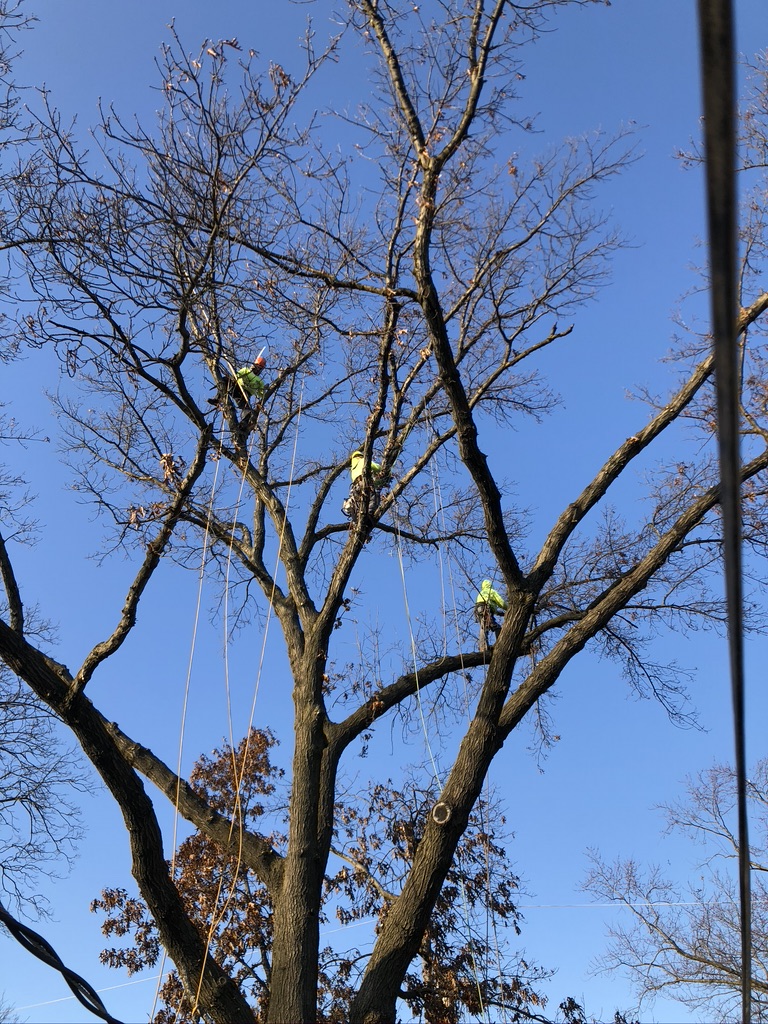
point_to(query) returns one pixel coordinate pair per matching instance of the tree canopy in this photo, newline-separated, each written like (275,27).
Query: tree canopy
(405,300)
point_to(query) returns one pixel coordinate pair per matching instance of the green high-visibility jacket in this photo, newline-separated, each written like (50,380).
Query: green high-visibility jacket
(490,597)
(357,464)
(249,381)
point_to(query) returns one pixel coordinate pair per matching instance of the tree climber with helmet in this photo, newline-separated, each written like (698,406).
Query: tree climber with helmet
(488,604)
(249,384)
(351,505)
(244,384)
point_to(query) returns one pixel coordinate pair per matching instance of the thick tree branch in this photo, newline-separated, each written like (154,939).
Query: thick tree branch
(466,429)
(478,63)
(375,20)
(574,514)
(251,849)
(341,734)
(53,684)
(155,551)
(12,592)
(617,596)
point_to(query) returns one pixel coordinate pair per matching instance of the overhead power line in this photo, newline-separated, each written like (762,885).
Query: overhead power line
(719,96)
(44,951)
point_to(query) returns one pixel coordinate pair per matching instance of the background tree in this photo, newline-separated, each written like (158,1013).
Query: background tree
(685,940)
(7,1015)
(405,316)
(40,822)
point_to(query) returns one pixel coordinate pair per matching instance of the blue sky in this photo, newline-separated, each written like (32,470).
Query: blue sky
(617,758)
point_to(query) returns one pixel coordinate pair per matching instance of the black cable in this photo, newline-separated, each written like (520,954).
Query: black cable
(719,94)
(44,951)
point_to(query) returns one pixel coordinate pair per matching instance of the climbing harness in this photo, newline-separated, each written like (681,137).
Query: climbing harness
(488,624)
(354,504)
(241,385)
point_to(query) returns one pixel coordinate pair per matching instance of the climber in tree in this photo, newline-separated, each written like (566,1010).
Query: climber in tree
(488,604)
(351,505)
(245,384)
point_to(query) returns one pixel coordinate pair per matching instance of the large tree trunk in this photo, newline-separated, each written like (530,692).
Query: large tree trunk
(403,930)
(296,915)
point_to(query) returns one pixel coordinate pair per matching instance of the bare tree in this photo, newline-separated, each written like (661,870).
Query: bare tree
(40,821)
(40,824)
(7,1013)
(404,317)
(685,940)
